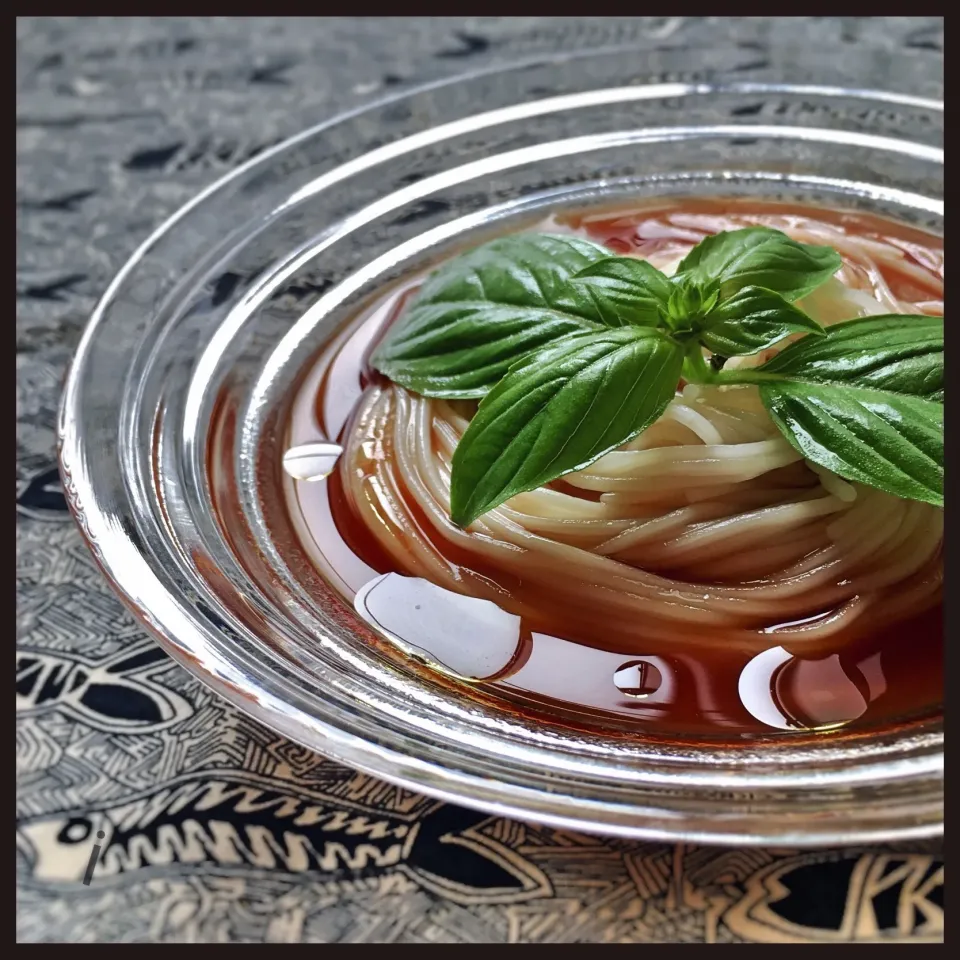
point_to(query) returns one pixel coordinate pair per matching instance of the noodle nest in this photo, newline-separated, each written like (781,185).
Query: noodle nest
(708,527)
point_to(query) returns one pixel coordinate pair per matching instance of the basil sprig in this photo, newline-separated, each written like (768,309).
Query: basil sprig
(574,352)
(865,401)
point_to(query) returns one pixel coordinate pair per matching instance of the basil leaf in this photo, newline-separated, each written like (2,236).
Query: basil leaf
(865,401)
(559,410)
(758,257)
(884,440)
(902,354)
(752,320)
(626,290)
(484,310)
(688,304)
(460,350)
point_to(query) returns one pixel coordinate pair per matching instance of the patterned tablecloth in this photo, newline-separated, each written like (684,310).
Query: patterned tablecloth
(214,827)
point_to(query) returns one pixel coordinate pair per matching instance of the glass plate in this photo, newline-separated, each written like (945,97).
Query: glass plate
(174,411)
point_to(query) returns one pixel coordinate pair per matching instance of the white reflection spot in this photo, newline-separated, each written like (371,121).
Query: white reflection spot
(311,461)
(471,638)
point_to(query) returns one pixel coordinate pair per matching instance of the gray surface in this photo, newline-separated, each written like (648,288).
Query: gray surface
(119,122)
(130,117)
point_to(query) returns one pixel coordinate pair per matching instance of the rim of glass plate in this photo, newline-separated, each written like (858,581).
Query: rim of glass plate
(187,641)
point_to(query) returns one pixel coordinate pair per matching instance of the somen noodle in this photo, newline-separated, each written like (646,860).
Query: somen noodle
(708,527)
(706,559)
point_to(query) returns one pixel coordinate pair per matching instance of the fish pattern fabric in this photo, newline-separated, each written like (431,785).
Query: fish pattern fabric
(207,826)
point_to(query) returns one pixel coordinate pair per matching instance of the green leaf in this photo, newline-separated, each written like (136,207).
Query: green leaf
(460,350)
(688,304)
(884,440)
(626,290)
(899,353)
(482,311)
(559,410)
(865,401)
(752,320)
(758,257)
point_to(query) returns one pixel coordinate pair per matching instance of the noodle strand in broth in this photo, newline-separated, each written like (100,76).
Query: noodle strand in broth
(708,528)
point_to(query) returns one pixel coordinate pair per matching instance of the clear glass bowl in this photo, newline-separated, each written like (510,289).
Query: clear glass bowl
(174,412)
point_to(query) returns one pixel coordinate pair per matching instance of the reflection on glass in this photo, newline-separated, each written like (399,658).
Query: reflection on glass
(311,461)
(586,677)
(476,640)
(789,693)
(473,639)
(638,678)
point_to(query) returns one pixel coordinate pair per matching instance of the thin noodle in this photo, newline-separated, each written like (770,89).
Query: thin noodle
(707,519)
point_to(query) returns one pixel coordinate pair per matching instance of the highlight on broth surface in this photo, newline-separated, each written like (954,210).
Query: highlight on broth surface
(756,555)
